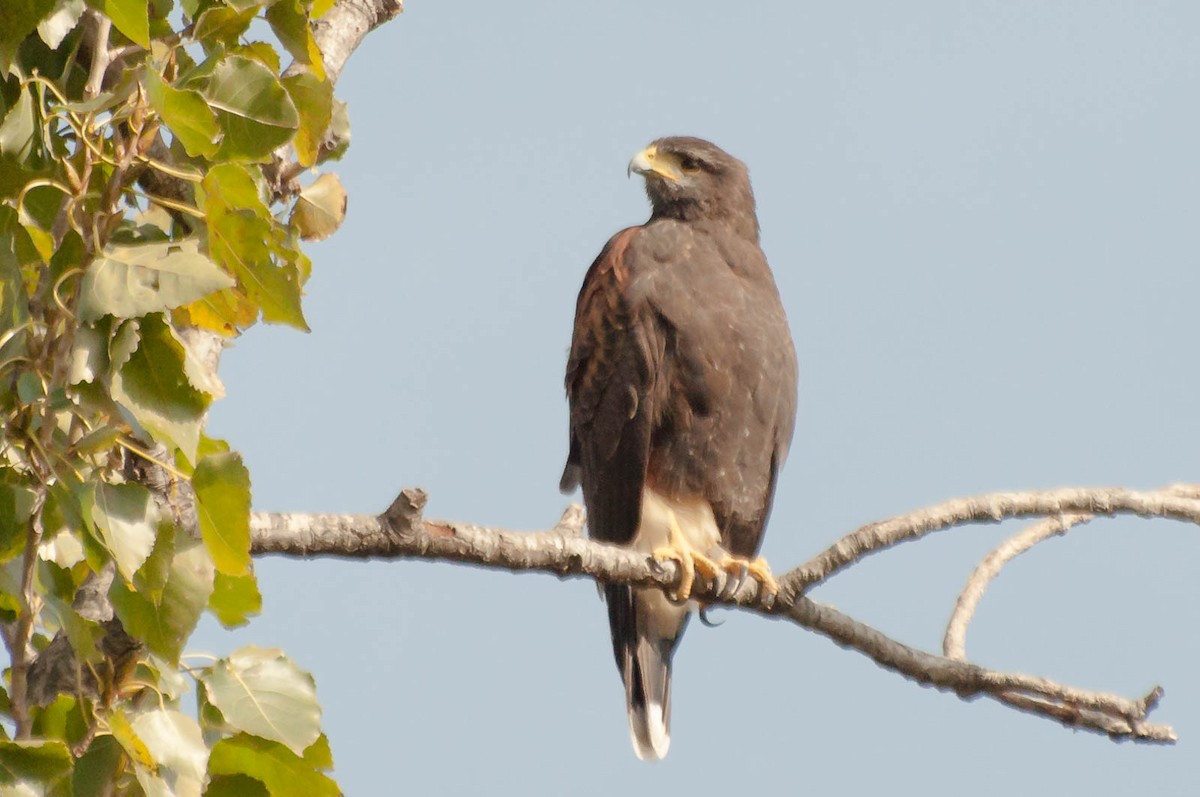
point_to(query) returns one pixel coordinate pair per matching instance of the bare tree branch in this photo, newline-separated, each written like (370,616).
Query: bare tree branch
(991,508)
(344,26)
(402,532)
(954,641)
(100,27)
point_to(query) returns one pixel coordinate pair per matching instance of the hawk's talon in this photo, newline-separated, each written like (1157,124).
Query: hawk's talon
(739,568)
(683,558)
(690,560)
(761,571)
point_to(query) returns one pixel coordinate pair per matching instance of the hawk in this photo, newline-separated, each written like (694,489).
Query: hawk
(682,389)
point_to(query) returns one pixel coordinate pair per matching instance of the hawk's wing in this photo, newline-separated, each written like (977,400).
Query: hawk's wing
(609,380)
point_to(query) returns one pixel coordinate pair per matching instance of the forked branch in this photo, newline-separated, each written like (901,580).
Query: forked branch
(402,532)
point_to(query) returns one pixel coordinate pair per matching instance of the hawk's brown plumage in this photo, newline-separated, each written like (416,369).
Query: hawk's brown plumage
(682,389)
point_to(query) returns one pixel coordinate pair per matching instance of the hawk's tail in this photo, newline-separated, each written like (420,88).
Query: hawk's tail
(645,628)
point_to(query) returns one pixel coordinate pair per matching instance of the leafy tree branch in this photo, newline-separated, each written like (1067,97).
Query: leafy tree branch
(150,209)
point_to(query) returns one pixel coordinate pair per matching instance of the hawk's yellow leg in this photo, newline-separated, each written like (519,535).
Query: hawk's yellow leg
(758,569)
(689,558)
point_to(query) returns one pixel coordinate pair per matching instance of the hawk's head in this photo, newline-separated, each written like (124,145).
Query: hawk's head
(692,179)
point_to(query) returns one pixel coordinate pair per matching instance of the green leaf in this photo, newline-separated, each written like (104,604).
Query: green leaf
(18,130)
(126,517)
(13,301)
(262,52)
(131,17)
(132,281)
(151,578)
(177,747)
(235,599)
(319,755)
(95,769)
(59,719)
(290,23)
(63,514)
(222,25)
(186,113)
(264,693)
(36,212)
(16,507)
(153,387)
(164,620)
(18,18)
(314,100)
(222,486)
(235,786)
(253,109)
(320,209)
(282,771)
(46,766)
(30,389)
(61,21)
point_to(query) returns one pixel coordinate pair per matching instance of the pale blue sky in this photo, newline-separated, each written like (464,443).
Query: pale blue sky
(983,220)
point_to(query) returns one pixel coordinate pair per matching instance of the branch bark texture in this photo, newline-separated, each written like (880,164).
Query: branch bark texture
(403,532)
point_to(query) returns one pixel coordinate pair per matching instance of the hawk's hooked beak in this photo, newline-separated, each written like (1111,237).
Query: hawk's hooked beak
(650,162)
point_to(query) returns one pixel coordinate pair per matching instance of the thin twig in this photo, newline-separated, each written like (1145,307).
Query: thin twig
(954,643)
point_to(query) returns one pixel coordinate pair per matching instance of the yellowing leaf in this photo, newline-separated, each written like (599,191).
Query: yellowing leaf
(314,100)
(122,730)
(290,24)
(320,209)
(225,312)
(238,241)
(222,486)
(320,8)
(235,599)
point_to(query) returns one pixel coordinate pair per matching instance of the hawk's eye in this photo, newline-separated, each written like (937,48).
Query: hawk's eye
(689,165)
